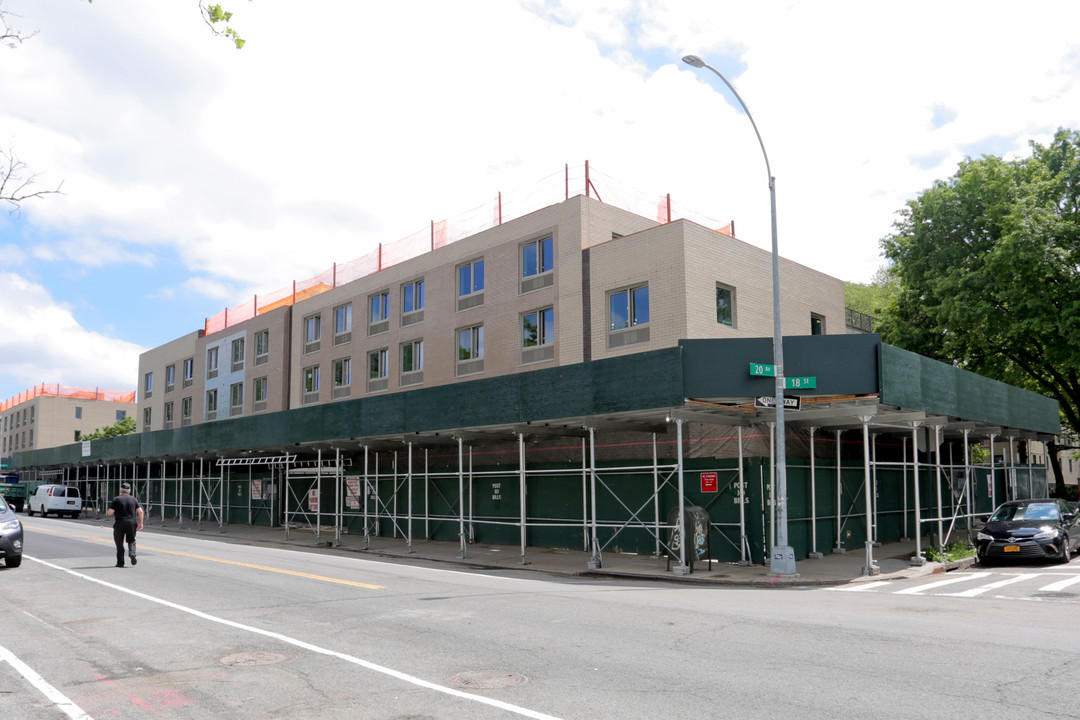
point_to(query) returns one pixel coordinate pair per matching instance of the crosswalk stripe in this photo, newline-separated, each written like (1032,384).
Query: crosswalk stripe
(1060,585)
(991,586)
(862,586)
(940,583)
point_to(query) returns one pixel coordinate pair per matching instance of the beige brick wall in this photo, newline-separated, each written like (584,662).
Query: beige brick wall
(680,261)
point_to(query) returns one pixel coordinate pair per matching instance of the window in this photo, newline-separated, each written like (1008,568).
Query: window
(342,324)
(262,394)
(628,316)
(471,278)
(211,362)
(170,378)
(32,409)
(342,372)
(262,347)
(168,413)
(312,333)
(412,297)
(377,364)
(189,372)
(311,383)
(536,257)
(725,305)
(78,434)
(629,307)
(470,349)
(412,356)
(78,411)
(237,355)
(148,384)
(146,417)
(538,328)
(236,399)
(817,324)
(211,404)
(120,415)
(185,409)
(380,307)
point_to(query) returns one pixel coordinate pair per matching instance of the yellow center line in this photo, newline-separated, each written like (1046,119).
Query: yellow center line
(267,568)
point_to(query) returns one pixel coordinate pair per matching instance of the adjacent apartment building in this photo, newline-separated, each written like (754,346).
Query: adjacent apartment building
(52,415)
(573,282)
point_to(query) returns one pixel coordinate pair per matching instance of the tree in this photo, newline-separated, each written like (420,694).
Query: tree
(872,299)
(988,267)
(218,20)
(121,427)
(17,181)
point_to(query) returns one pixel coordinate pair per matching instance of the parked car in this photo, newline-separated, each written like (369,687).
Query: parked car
(1029,529)
(59,499)
(11,535)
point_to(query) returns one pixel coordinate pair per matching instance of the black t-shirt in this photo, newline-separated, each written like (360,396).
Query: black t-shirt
(124,507)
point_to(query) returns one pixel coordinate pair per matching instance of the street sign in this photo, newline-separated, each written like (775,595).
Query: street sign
(768,402)
(790,383)
(762,370)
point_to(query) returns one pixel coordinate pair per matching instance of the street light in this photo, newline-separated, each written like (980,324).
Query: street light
(782,557)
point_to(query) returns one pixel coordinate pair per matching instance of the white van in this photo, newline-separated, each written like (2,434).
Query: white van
(58,499)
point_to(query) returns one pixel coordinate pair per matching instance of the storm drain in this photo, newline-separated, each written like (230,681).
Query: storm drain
(255,658)
(487,680)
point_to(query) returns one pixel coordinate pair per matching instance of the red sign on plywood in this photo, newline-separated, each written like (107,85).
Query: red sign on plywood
(709,482)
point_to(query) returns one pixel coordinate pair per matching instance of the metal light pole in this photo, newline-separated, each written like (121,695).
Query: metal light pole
(782,556)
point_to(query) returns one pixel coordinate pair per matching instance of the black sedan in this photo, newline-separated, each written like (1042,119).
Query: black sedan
(11,535)
(1043,528)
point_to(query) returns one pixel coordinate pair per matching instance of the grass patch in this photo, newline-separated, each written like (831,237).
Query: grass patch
(950,553)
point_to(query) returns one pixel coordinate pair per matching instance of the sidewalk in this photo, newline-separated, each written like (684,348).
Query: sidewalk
(892,559)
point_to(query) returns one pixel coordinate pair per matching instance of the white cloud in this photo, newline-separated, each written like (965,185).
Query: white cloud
(356,123)
(40,341)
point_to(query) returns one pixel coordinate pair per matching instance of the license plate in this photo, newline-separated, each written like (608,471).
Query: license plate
(70,502)
(1012,548)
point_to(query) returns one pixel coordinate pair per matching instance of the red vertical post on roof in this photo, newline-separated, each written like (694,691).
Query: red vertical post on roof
(335,276)
(669,207)
(293,292)
(432,234)
(380,256)
(500,207)
(588,183)
(566,175)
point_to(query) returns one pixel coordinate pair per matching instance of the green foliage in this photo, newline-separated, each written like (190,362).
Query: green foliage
(872,299)
(122,427)
(218,19)
(987,265)
(950,553)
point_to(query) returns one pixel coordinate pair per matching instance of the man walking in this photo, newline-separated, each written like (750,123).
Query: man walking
(128,517)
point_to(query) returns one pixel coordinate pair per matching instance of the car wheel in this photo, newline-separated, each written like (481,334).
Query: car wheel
(29,511)
(44,512)
(13,562)
(74,516)
(1066,552)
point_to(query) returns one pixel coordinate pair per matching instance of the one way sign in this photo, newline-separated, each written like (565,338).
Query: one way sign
(767,402)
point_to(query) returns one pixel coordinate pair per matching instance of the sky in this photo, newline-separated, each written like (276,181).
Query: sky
(195,176)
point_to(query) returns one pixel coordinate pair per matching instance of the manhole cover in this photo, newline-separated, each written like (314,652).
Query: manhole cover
(487,680)
(255,658)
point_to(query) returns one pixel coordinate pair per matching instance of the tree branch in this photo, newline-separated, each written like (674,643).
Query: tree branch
(16,182)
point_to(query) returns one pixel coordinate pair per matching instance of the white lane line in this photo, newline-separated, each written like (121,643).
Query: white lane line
(1060,584)
(940,583)
(58,698)
(974,592)
(862,586)
(525,712)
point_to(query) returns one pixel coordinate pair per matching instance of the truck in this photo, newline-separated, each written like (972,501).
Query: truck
(17,492)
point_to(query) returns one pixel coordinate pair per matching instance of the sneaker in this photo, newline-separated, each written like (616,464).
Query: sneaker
(134,560)
(119,564)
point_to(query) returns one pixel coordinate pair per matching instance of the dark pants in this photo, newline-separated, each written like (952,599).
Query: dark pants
(124,530)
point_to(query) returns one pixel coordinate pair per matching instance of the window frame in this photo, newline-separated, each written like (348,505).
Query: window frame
(632,302)
(262,347)
(343,323)
(536,248)
(544,317)
(732,316)
(472,266)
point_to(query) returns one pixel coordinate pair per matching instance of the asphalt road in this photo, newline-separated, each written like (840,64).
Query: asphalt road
(204,629)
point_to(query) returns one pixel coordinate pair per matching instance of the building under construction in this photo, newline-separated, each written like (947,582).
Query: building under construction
(579,377)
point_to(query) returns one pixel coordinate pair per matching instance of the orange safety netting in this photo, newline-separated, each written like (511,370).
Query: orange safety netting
(550,190)
(67,391)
